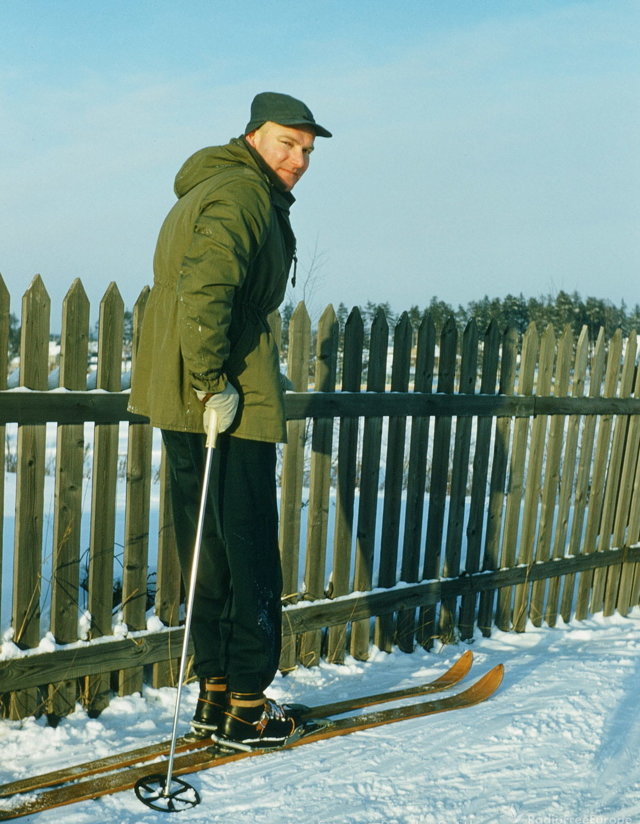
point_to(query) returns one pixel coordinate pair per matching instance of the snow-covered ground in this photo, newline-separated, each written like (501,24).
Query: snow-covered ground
(558,744)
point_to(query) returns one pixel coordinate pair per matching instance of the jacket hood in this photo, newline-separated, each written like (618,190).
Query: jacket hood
(206,162)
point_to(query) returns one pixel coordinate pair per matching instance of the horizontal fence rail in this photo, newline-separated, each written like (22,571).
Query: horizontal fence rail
(97,407)
(143,649)
(436,483)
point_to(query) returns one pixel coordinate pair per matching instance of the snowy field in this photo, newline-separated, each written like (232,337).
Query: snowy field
(558,744)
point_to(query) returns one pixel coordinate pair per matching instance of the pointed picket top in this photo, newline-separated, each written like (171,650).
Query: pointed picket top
(380,318)
(354,327)
(34,336)
(598,360)
(111,298)
(490,359)
(327,351)
(581,360)
(425,354)
(37,287)
(403,326)
(378,350)
(447,359)
(299,353)
(401,361)
(469,358)
(528,358)
(614,363)
(328,323)
(508,360)
(300,314)
(355,316)
(74,339)
(110,335)
(328,319)
(353,352)
(545,363)
(563,363)
(36,298)
(76,291)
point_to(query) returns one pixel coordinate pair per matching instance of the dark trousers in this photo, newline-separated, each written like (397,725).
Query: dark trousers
(236,620)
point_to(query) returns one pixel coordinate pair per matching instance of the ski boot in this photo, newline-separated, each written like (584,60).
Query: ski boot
(209,714)
(248,725)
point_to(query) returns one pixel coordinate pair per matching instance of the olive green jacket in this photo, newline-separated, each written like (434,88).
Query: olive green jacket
(221,266)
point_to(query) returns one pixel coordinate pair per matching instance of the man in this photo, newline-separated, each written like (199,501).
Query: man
(221,266)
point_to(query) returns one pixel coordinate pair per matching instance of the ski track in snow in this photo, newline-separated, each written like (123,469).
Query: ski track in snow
(558,744)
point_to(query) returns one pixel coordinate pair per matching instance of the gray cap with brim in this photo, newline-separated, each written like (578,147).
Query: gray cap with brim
(282,109)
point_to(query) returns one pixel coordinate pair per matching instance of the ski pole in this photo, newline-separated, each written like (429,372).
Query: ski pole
(164,782)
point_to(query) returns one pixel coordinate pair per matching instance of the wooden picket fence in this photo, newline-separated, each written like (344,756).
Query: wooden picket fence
(434,484)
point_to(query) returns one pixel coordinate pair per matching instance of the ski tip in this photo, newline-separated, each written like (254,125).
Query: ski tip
(495,675)
(463,664)
(485,686)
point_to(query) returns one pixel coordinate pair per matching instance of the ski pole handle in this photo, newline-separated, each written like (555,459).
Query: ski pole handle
(212,428)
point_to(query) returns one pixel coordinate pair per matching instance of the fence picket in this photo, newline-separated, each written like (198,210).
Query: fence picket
(136,529)
(320,487)
(480,478)
(393,480)
(583,485)
(369,478)
(567,478)
(532,484)
(517,464)
(27,569)
(549,491)
(168,577)
(439,477)
(497,485)
(103,494)
(346,481)
(459,476)
(416,480)
(293,473)
(593,582)
(65,595)
(597,474)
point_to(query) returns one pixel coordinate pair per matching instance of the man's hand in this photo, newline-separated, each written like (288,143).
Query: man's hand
(225,405)
(286,384)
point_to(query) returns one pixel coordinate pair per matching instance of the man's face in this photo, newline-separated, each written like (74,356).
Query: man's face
(285,149)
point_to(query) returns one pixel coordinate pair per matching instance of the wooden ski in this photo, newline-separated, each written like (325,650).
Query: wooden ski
(204,759)
(450,678)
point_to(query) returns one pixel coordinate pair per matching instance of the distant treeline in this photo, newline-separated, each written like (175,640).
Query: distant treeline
(518,312)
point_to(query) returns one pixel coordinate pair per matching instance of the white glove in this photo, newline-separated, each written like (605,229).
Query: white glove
(224,404)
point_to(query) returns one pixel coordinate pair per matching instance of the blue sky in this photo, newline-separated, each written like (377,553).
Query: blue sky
(480,146)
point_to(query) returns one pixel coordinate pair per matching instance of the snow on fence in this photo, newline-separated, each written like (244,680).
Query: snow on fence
(428,488)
